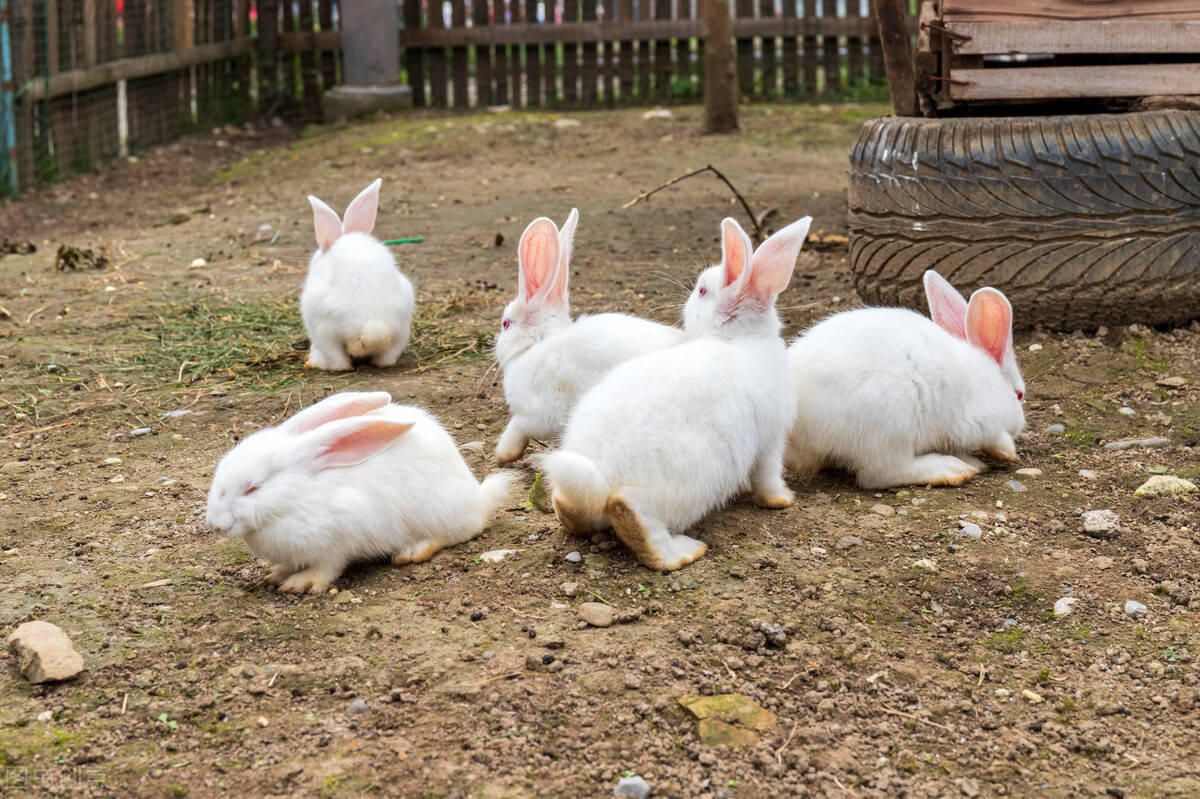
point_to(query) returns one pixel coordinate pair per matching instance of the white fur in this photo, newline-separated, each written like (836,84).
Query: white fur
(547,361)
(410,496)
(897,399)
(355,302)
(676,433)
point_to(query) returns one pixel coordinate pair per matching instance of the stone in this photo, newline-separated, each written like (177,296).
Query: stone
(657,113)
(1164,484)
(496,555)
(1029,471)
(1101,523)
(1126,411)
(1135,609)
(1088,474)
(1103,562)
(44,652)
(879,509)
(597,614)
(1063,606)
(569,589)
(1014,485)
(730,709)
(1056,429)
(140,431)
(714,732)
(1131,443)
(573,557)
(926,564)
(567,123)
(773,634)
(1172,381)
(970,529)
(634,787)
(357,708)
(849,542)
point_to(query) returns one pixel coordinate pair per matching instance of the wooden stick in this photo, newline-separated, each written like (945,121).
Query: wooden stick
(645,195)
(779,751)
(893,712)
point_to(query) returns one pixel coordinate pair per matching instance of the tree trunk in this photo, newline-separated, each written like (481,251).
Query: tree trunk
(720,74)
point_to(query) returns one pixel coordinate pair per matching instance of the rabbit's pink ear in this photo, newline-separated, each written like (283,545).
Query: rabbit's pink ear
(566,245)
(989,323)
(736,250)
(339,406)
(326,224)
(947,307)
(775,259)
(353,441)
(360,214)
(537,255)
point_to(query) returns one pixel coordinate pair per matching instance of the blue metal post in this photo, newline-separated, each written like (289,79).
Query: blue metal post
(8,121)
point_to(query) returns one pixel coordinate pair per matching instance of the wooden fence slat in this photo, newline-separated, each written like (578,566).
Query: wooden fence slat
(570,57)
(854,46)
(683,45)
(483,56)
(608,58)
(643,48)
(874,49)
(458,55)
(662,52)
(414,60)
(770,75)
(587,70)
(501,64)
(534,79)
(514,55)
(831,60)
(625,54)
(308,63)
(745,51)
(788,53)
(810,52)
(329,60)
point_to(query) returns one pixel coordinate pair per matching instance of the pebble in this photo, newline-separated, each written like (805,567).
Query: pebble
(597,614)
(926,563)
(1035,347)
(1014,485)
(569,589)
(1088,474)
(1135,610)
(357,708)
(1101,523)
(657,113)
(573,557)
(262,721)
(197,263)
(818,551)
(1030,471)
(164,481)
(45,715)
(1126,411)
(1035,698)
(1056,429)
(1172,382)
(1063,606)
(849,542)
(1148,443)
(112,461)
(1164,484)
(496,555)
(141,431)
(634,787)
(970,530)
(567,123)
(44,652)
(176,414)
(882,510)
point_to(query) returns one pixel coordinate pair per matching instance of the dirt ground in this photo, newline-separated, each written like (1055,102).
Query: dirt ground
(915,660)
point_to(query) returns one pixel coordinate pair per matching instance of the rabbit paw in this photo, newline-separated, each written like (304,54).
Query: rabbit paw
(774,499)
(308,581)
(278,574)
(419,552)
(650,540)
(1002,449)
(339,362)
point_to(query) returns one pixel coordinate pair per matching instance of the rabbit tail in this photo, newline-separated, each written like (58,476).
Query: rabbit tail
(372,338)
(580,492)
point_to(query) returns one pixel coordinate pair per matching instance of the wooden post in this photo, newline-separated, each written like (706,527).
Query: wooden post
(414,63)
(892,22)
(810,52)
(483,56)
(791,86)
(458,55)
(720,76)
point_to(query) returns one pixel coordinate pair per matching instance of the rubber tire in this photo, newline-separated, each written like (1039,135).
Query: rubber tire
(1081,221)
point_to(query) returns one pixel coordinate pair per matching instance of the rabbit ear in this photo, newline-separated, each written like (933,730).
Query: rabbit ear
(339,406)
(326,224)
(947,307)
(557,291)
(989,324)
(352,441)
(736,251)
(360,213)
(537,255)
(775,259)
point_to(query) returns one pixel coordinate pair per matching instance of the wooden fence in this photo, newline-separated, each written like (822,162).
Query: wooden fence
(99,79)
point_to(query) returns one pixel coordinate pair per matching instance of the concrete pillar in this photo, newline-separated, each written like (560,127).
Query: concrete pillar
(370,62)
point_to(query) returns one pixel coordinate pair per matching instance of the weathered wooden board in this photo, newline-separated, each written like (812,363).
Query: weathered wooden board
(1089,36)
(1013,10)
(1118,80)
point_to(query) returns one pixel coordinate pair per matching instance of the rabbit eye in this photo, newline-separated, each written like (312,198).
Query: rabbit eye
(1020,396)
(504,325)
(703,291)
(249,491)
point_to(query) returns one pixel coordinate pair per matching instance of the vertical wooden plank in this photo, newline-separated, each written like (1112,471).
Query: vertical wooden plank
(328,57)
(414,63)
(588,68)
(500,65)
(534,53)
(24,70)
(483,55)
(854,44)
(53,55)
(458,55)
(891,18)
(683,47)
(514,56)
(625,55)
(570,57)
(770,77)
(438,93)
(831,58)
(90,18)
(874,50)
(268,51)
(644,47)
(791,87)
(745,52)
(291,61)
(607,53)
(810,52)
(662,52)
(308,62)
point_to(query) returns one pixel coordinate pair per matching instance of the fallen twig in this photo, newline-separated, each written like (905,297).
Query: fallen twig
(645,195)
(43,429)
(894,712)
(779,751)
(525,615)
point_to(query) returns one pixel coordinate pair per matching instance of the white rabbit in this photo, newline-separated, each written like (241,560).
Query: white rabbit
(349,477)
(667,437)
(547,361)
(355,302)
(882,392)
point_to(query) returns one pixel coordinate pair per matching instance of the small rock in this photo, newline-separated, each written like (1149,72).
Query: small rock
(1135,610)
(112,461)
(533,661)
(357,708)
(597,614)
(569,589)
(1106,708)
(1056,429)
(627,616)
(657,113)
(774,635)
(880,509)
(1014,485)
(1101,523)
(262,721)
(733,708)
(818,551)
(1063,606)
(1172,382)
(1035,347)
(1126,411)
(634,787)
(1029,471)
(1088,474)
(926,563)
(573,557)
(1148,443)
(632,681)
(1035,698)
(970,529)
(198,263)
(849,542)
(567,123)
(1102,562)
(44,652)
(1164,484)
(141,431)
(496,555)
(177,414)
(45,715)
